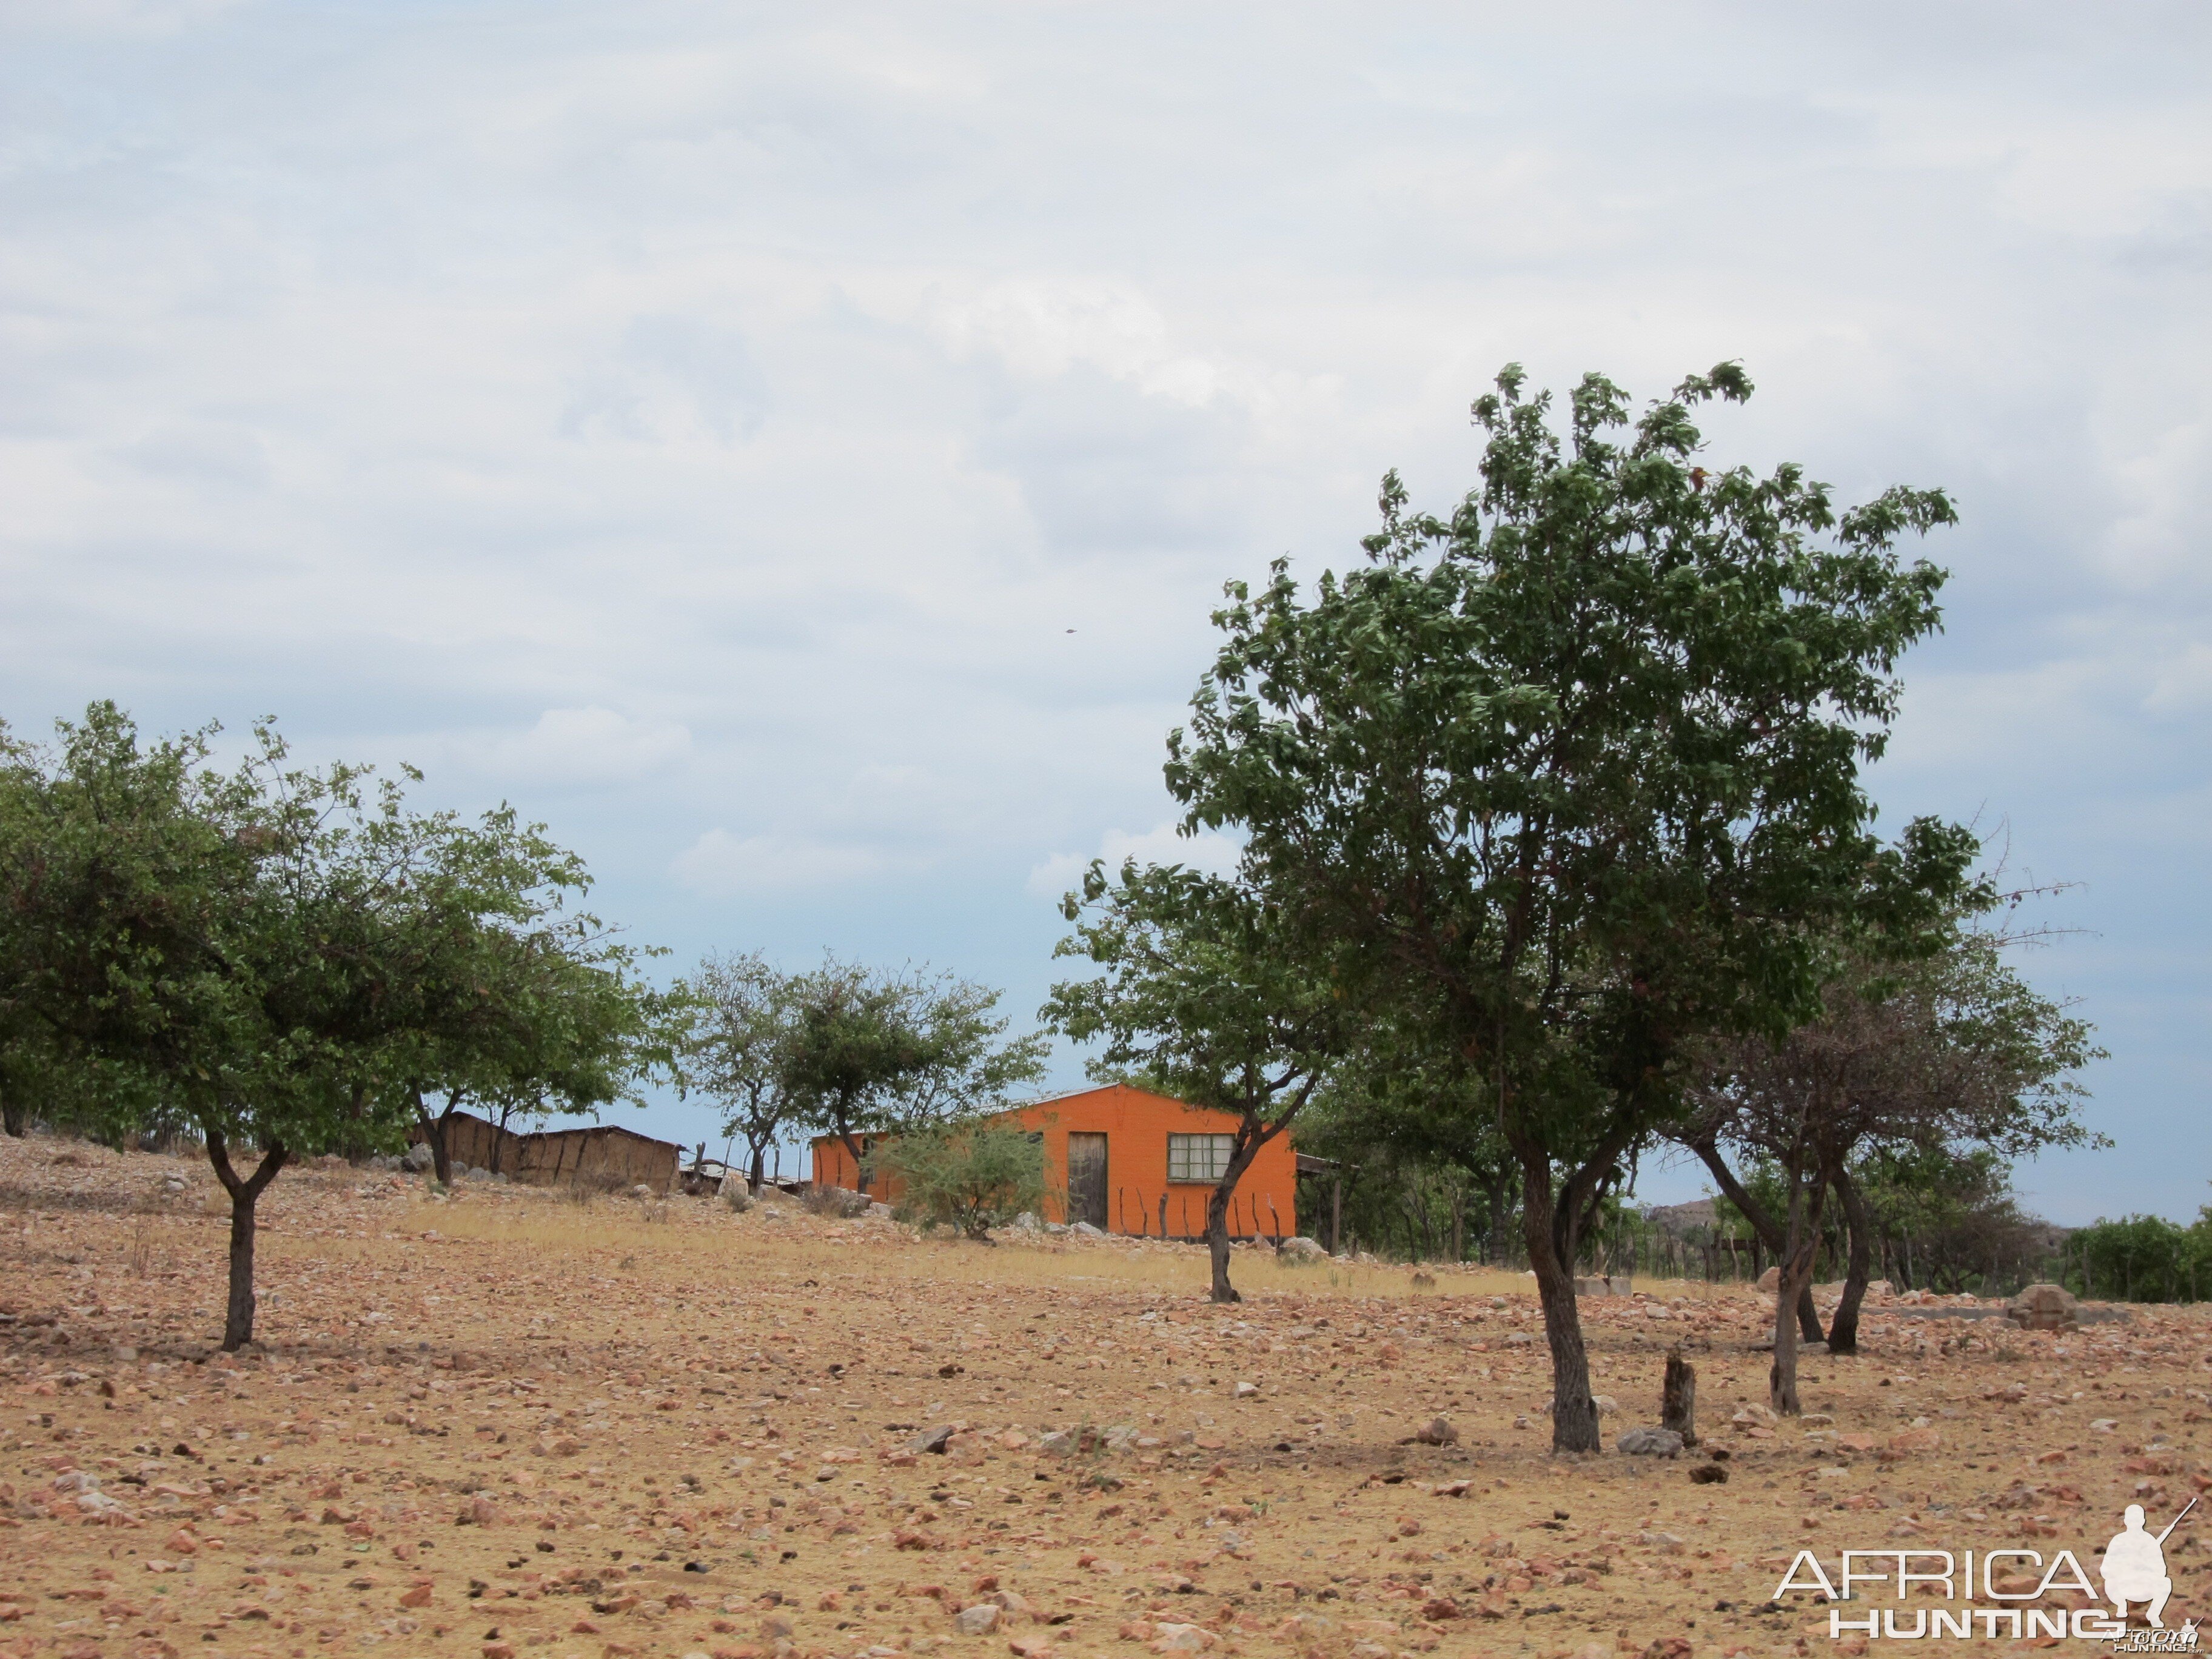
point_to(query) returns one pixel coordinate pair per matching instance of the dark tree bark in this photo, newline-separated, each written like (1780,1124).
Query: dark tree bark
(1678,1398)
(237,1315)
(1844,1327)
(15,1116)
(434,1133)
(1551,1226)
(1806,1199)
(1770,1231)
(851,1144)
(759,1150)
(1241,1154)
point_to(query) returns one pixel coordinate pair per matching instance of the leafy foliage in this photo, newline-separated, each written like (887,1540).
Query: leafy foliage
(1199,1001)
(738,1013)
(282,955)
(2143,1258)
(971,1176)
(873,1054)
(1569,779)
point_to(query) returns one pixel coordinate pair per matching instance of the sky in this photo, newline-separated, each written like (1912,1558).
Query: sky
(793,451)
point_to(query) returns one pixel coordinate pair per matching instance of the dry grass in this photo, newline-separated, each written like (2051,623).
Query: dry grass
(552,1226)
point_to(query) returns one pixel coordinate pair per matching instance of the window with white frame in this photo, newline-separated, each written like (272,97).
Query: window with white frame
(1199,1157)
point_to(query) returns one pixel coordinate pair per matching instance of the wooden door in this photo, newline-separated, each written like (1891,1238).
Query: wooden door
(1086,1178)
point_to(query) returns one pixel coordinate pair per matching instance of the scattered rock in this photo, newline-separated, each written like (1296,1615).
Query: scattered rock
(1649,1443)
(1301,1251)
(2046,1308)
(1183,1638)
(979,1620)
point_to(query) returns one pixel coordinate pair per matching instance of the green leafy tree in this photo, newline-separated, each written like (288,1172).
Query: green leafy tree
(1948,1218)
(1951,1051)
(1201,1001)
(1409,1116)
(740,1011)
(264,953)
(869,1055)
(556,1021)
(971,1176)
(2138,1258)
(1571,777)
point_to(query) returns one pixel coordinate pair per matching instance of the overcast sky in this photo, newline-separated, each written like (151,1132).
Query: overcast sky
(794,450)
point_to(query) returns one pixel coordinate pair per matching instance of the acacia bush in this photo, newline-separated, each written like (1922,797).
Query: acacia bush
(970,1176)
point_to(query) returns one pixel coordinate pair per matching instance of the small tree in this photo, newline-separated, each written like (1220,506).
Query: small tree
(868,1054)
(266,953)
(740,1011)
(1201,1000)
(1570,779)
(1949,1049)
(557,1022)
(971,1176)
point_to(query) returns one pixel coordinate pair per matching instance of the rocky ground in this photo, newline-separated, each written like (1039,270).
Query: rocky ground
(508,1422)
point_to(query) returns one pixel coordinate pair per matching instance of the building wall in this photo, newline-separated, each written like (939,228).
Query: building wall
(600,1153)
(1136,1125)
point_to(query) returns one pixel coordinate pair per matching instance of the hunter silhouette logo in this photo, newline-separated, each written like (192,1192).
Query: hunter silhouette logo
(2134,1567)
(2007,1593)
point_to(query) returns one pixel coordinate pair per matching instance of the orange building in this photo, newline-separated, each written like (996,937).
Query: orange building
(1127,1161)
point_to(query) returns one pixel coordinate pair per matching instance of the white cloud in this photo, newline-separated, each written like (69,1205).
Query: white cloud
(1208,851)
(575,747)
(2183,682)
(722,865)
(706,417)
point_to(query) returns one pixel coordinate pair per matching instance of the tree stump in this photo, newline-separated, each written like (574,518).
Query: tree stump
(1678,1402)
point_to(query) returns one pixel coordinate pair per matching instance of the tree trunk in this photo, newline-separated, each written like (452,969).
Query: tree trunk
(1216,1217)
(1217,1239)
(851,1144)
(1768,1232)
(237,1314)
(15,1116)
(1844,1327)
(1551,1256)
(434,1133)
(1796,1281)
(760,1166)
(1678,1398)
(499,1139)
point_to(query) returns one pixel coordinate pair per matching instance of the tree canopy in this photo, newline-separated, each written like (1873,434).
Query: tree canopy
(1200,1001)
(867,1053)
(276,954)
(1570,778)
